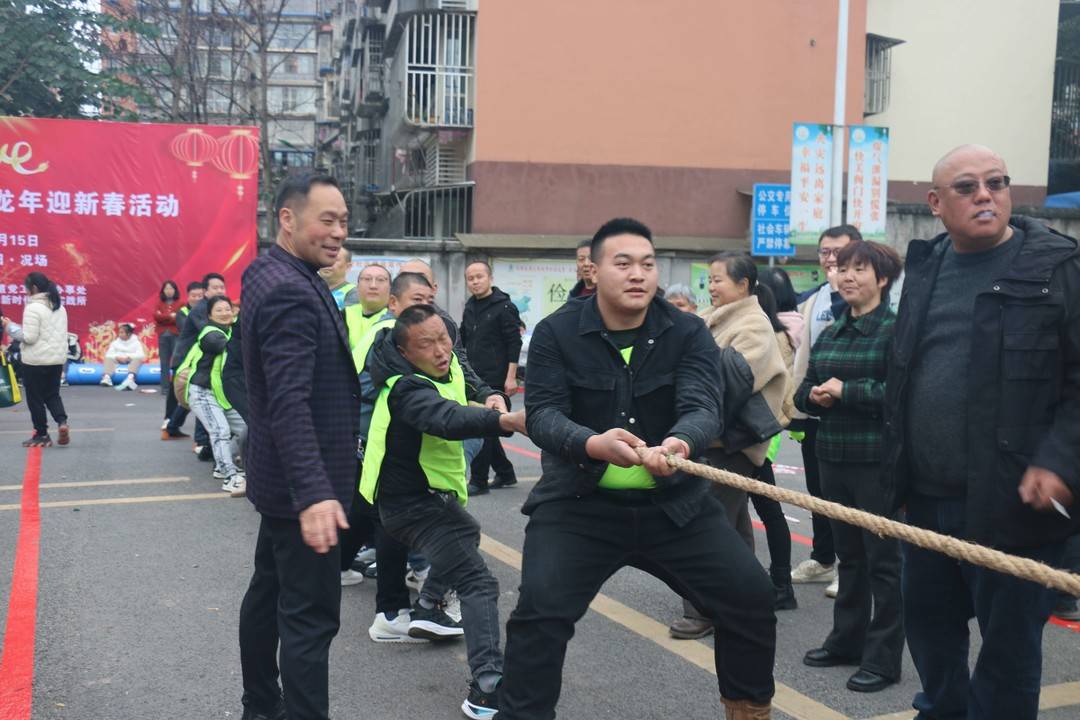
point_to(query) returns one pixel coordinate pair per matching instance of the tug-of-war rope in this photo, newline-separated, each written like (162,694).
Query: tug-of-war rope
(1023,568)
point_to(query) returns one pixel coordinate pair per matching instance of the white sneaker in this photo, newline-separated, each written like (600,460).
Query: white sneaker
(351,577)
(452,605)
(415,580)
(811,571)
(834,588)
(366,555)
(236,486)
(127,384)
(220,476)
(106,380)
(385,630)
(165,424)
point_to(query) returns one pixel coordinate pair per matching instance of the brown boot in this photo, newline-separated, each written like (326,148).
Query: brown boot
(746,710)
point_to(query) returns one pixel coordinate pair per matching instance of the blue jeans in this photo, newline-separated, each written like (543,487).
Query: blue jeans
(941,595)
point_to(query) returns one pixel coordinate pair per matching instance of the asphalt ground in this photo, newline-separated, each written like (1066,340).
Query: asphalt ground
(139,587)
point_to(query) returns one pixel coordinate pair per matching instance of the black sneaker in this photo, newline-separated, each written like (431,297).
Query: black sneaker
(278,713)
(474,489)
(503,482)
(433,624)
(480,705)
(206,454)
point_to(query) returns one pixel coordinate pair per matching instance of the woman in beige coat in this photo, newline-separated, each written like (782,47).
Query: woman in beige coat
(43,347)
(736,319)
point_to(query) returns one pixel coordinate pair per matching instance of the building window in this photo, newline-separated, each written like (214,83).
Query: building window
(878,73)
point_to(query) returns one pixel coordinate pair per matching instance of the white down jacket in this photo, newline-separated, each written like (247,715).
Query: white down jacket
(43,335)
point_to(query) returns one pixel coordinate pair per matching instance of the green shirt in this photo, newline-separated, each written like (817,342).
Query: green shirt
(635,477)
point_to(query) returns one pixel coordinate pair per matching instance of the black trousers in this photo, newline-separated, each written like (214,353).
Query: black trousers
(361,530)
(867,619)
(573,546)
(42,384)
(777,533)
(294,600)
(824,550)
(492,456)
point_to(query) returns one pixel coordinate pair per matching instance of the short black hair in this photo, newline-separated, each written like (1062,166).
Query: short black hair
(884,260)
(298,185)
(479,261)
(214,301)
(411,316)
(839,231)
(195,285)
(389,275)
(212,276)
(617,226)
(406,280)
(129,326)
(584,242)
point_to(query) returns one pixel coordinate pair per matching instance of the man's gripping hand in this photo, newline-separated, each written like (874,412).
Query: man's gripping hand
(616,446)
(655,460)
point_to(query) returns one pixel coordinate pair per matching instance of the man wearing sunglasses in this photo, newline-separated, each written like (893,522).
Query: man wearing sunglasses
(982,434)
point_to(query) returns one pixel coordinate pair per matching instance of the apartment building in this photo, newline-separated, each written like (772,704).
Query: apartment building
(212,61)
(507,122)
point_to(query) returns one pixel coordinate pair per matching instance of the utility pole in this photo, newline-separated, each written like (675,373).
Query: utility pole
(835,212)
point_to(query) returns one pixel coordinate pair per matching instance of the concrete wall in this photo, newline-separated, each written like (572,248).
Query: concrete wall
(969,71)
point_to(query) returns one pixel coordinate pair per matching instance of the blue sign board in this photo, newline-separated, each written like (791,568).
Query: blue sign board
(770,220)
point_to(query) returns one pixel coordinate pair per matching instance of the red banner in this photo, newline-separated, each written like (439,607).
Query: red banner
(108,211)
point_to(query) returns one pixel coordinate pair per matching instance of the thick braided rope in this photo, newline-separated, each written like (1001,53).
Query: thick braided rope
(1022,568)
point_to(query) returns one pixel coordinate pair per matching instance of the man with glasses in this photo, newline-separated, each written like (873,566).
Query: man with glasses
(982,434)
(819,307)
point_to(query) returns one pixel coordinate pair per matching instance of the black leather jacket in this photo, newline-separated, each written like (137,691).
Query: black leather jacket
(1023,384)
(579,386)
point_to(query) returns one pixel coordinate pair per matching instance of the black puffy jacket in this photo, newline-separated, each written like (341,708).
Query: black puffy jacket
(490,331)
(1023,384)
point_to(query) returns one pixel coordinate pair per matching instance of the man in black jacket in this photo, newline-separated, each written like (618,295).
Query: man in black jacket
(490,331)
(414,464)
(982,434)
(607,375)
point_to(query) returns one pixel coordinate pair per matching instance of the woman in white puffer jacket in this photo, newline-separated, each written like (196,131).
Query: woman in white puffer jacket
(43,346)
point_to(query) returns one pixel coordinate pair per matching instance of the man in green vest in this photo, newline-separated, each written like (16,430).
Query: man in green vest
(374,296)
(414,464)
(344,292)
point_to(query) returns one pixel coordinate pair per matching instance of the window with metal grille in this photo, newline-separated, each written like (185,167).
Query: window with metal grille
(878,73)
(1065,112)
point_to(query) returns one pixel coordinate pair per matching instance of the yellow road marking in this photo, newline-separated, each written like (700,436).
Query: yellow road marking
(104,483)
(786,700)
(126,500)
(74,430)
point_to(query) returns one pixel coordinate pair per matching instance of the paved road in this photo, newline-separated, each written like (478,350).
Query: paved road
(139,586)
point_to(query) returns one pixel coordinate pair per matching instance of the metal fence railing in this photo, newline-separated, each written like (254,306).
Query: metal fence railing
(1065,112)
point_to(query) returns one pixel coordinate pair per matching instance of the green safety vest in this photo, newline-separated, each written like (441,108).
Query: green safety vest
(362,346)
(191,360)
(340,293)
(358,325)
(443,461)
(185,310)
(635,477)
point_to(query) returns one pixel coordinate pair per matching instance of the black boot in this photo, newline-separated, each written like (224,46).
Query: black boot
(785,593)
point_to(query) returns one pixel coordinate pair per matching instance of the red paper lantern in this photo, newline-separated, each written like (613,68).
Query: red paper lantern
(193,147)
(238,156)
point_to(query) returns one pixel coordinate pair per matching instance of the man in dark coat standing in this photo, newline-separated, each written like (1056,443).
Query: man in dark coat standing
(982,434)
(491,333)
(303,402)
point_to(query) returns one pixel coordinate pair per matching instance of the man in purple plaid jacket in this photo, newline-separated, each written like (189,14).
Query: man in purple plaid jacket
(301,455)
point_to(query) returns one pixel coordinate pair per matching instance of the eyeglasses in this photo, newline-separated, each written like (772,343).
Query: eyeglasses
(970,187)
(826,252)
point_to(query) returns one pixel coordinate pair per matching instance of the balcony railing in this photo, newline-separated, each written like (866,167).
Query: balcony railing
(439,78)
(438,213)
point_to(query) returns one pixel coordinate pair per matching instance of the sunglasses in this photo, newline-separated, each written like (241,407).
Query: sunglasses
(970,187)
